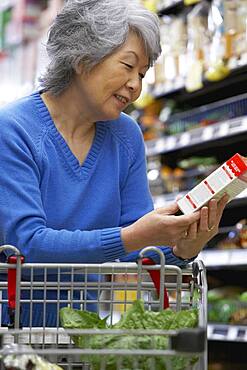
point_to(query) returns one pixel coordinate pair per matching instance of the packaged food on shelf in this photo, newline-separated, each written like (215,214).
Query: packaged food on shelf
(230,241)
(216,62)
(241,36)
(173,179)
(198,44)
(242,231)
(230,29)
(154,176)
(147,113)
(28,360)
(226,305)
(188,173)
(204,115)
(170,68)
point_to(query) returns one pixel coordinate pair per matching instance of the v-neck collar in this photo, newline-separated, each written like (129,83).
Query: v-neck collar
(82,170)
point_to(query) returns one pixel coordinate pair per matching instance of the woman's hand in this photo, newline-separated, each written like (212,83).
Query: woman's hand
(199,233)
(159,227)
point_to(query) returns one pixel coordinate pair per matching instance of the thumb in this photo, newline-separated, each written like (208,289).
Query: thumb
(170,209)
(191,218)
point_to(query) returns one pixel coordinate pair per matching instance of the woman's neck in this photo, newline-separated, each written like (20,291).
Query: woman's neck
(71,123)
(70,120)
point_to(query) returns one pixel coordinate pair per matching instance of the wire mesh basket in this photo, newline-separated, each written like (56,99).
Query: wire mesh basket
(108,290)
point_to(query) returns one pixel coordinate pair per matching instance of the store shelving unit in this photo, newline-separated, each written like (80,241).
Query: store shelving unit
(210,91)
(221,140)
(199,136)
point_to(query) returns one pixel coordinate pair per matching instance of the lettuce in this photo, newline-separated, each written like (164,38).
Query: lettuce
(135,318)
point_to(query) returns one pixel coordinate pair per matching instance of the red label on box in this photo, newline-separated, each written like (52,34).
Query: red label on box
(237,165)
(191,201)
(209,187)
(227,172)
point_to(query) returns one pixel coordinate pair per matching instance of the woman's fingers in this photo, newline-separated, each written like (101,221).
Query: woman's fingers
(186,220)
(212,213)
(203,223)
(221,205)
(192,231)
(170,209)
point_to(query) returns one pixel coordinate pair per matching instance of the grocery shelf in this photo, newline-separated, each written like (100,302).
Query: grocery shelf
(197,136)
(224,258)
(231,333)
(230,86)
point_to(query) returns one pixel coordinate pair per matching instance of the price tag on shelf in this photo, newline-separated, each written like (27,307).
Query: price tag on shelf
(160,146)
(184,139)
(244,123)
(170,142)
(223,130)
(238,257)
(207,133)
(215,258)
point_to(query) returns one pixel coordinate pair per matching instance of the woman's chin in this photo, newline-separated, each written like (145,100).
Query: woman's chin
(111,116)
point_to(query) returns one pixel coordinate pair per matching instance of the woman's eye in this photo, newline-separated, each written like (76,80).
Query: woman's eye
(128,65)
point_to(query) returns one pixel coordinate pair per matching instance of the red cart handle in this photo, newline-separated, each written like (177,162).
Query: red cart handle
(155,276)
(12,282)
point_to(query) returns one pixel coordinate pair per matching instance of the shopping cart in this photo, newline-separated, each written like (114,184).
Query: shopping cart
(110,290)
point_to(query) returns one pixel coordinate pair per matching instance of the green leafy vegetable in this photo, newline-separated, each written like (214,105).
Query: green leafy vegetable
(221,311)
(135,318)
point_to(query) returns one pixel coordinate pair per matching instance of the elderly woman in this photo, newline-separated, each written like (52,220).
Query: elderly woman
(73,171)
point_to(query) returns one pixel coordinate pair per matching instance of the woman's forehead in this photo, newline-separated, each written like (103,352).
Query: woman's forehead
(134,47)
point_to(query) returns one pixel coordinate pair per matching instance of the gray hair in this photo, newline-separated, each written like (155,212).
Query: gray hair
(86,31)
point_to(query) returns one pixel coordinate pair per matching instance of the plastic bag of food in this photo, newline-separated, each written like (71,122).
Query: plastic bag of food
(22,357)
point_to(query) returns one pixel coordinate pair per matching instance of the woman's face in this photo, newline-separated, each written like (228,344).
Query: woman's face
(114,83)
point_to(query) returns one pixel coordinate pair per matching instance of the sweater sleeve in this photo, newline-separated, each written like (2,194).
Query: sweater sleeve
(170,258)
(22,216)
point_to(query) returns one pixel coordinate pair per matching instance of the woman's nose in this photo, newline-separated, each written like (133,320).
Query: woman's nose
(134,84)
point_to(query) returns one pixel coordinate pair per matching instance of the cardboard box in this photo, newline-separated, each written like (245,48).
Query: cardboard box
(230,178)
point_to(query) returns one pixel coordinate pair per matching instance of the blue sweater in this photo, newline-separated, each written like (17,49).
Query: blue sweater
(54,209)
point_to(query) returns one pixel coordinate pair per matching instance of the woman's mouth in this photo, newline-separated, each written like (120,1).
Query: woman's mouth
(122,99)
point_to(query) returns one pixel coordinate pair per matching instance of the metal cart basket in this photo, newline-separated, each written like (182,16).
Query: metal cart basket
(39,291)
